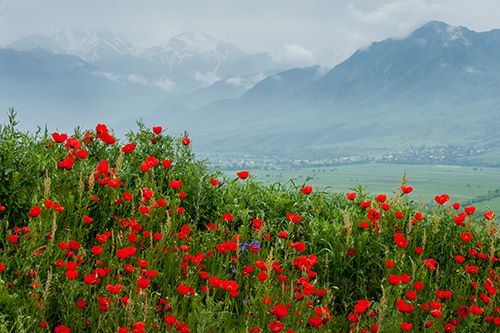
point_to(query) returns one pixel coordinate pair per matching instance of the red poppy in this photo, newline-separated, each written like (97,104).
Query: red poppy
(128,148)
(186,141)
(243,174)
(463,311)
(62,329)
(279,311)
(283,234)
(157,129)
(489,215)
(13,239)
(466,236)
(71,274)
(470,210)
(275,326)
(143,283)
(442,199)
(448,327)
(59,138)
(351,195)
(306,190)
(114,289)
(362,305)
(175,184)
(406,326)
(87,220)
(35,211)
(406,189)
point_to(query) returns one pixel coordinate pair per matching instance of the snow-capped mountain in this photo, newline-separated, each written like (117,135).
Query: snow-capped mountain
(187,61)
(189,45)
(90,46)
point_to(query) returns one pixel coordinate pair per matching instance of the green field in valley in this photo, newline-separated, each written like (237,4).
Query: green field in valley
(462,183)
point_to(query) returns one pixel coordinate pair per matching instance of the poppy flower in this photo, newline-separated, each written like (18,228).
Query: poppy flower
(166,164)
(470,210)
(13,239)
(406,189)
(243,174)
(71,274)
(283,234)
(175,184)
(128,148)
(214,182)
(62,329)
(380,198)
(143,283)
(448,327)
(489,215)
(114,289)
(59,138)
(186,141)
(442,199)
(275,326)
(35,211)
(406,326)
(351,195)
(82,154)
(466,236)
(87,220)
(279,311)
(463,311)
(364,225)
(157,129)
(306,190)
(362,305)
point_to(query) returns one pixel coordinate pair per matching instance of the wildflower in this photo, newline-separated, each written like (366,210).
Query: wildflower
(306,190)
(242,174)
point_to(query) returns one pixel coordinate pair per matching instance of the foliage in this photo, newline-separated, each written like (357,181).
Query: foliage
(102,236)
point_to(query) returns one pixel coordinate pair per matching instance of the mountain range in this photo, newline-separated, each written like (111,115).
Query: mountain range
(439,85)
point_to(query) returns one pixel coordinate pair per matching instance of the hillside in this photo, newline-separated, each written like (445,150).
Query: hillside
(423,89)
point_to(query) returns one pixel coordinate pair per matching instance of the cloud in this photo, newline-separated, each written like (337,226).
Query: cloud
(107,76)
(473,70)
(297,31)
(297,55)
(163,83)
(206,79)
(388,17)
(247,82)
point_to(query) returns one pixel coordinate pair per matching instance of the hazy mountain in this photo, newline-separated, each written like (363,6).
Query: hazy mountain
(88,46)
(439,85)
(65,91)
(247,97)
(179,65)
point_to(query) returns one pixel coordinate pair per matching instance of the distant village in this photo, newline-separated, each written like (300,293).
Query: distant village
(452,154)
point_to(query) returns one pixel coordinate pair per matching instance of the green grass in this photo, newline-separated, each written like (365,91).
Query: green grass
(462,183)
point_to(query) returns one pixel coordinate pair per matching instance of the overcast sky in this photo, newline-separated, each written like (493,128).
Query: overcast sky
(308,31)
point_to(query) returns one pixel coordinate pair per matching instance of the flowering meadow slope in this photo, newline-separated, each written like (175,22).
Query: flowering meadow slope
(139,236)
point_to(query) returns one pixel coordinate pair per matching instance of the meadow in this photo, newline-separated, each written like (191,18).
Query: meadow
(462,183)
(98,235)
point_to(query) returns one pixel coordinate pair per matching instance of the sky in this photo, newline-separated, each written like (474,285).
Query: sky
(303,32)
